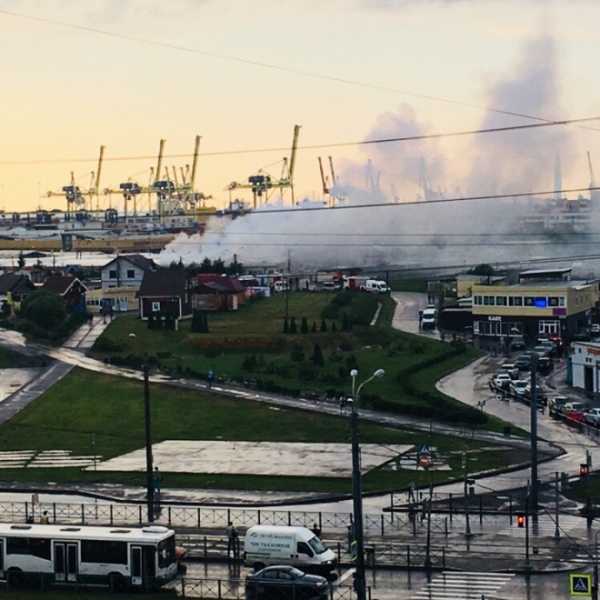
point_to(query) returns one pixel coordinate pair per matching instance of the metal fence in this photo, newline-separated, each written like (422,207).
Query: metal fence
(234,589)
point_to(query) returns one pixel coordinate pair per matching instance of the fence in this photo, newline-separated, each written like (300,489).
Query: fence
(234,589)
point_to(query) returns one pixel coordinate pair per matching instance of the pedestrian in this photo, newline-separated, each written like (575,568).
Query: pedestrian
(236,543)
(230,542)
(316,530)
(44,520)
(211,378)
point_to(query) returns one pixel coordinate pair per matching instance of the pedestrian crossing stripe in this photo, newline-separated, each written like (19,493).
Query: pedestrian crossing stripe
(460,585)
(580,585)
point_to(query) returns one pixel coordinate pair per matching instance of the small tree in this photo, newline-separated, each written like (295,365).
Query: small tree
(286,326)
(293,326)
(333,327)
(196,326)
(323,326)
(317,356)
(304,325)
(314,327)
(345,322)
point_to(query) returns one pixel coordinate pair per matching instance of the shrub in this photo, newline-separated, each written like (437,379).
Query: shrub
(314,327)
(249,363)
(304,325)
(286,326)
(317,356)
(297,353)
(107,344)
(293,326)
(323,326)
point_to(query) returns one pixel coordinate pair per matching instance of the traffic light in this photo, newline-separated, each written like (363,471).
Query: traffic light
(584,470)
(520,520)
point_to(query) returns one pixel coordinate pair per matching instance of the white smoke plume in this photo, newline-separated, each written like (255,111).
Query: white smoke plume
(416,234)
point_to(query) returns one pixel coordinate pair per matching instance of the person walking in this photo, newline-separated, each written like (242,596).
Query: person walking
(211,378)
(44,520)
(236,543)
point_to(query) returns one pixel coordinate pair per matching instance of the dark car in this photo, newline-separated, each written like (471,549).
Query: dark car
(283,582)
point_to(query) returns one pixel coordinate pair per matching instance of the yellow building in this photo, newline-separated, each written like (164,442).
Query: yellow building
(121,299)
(544,303)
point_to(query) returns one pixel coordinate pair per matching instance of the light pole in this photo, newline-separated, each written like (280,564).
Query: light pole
(360,579)
(148,440)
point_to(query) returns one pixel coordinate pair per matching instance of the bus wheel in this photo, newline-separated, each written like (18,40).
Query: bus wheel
(116,582)
(16,578)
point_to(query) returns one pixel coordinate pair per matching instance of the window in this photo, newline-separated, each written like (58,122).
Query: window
(303,549)
(515,301)
(549,327)
(29,546)
(95,551)
(488,300)
(112,274)
(130,274)
(540,302)
(476,327)
(500,300)
(477,300)
(529,301)
(316,544)
(561,301)
(166,552)
(156,307)
(553,301)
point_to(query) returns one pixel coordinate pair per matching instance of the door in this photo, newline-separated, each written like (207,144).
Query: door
(2,559)
(589,379)
(136,565)
(66,562)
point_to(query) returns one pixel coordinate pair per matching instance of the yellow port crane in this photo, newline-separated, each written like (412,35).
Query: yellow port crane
(261,183)
(75,196)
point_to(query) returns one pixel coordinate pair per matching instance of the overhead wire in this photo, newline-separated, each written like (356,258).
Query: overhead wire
(268,65)
(320,146)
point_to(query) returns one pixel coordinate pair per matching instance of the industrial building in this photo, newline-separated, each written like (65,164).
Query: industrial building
(585,366)
(543,303)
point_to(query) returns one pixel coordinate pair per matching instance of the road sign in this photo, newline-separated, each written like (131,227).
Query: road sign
(580,585)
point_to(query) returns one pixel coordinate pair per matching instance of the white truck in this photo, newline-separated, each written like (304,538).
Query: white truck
(297,546)
(429,318)
(375,286)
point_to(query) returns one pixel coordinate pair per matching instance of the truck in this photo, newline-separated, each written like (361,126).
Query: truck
(297,546)
(375,286)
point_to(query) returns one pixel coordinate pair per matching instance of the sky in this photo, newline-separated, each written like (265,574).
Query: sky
(67,90)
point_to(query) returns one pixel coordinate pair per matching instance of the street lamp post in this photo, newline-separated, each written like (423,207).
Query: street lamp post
(360,579)
(148,441)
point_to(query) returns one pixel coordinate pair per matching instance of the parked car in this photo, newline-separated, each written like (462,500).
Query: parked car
(281,581)
(519,388)
(556,406)
(511,369)
(545,365)
(575,411)
(501,381)
(523,361)
(592,417)
(376,286)
(541,351)
(517,342)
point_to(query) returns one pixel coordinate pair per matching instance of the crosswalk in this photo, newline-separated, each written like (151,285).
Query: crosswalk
(463,586)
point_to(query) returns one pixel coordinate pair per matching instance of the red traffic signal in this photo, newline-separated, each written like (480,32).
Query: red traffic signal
(520,520)
(584,470)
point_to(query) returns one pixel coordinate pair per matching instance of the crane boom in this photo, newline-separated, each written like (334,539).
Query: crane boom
(99,170)
(161,149)
(323,181)
(333,179)
(592,178)
(195,163)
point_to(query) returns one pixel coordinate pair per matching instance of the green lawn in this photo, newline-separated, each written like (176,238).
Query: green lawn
(250,346)
(87,408)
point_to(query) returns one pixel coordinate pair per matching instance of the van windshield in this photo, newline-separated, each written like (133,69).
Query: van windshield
(316,544)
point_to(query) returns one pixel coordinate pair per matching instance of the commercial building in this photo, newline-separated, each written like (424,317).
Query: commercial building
(543,303)
(585,366)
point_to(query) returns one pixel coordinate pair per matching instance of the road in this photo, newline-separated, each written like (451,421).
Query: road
(406,316)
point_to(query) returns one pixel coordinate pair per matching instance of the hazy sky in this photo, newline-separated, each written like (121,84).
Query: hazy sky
(66,91)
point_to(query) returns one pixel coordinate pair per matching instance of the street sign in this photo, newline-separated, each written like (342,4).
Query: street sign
(580,585)
(424,457)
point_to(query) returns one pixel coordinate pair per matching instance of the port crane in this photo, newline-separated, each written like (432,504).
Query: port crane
(261,183)
(75,196)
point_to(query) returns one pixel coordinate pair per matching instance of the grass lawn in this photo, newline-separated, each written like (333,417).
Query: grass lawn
(87,407)
(250,346)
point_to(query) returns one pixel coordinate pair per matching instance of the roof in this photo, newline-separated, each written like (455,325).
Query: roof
(542,272)
(132,534)
(139,260)
(550,285)
(60,284)
(163,282)
(219,283)
(9,282)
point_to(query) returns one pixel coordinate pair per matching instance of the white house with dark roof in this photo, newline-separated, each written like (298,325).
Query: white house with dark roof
(126,270)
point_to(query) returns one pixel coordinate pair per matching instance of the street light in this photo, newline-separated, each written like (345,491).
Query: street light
(148,438)
(361,588)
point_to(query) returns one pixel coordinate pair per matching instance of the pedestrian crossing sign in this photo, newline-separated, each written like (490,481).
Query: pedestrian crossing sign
(580,585)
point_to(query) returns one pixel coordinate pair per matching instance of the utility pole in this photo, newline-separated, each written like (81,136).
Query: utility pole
(534,452)
(556,506)
(287,287)
(148,431)
(361,591)
(527,565)
(467,521)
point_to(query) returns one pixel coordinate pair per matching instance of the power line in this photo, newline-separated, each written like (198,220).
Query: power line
(267,65)
(320,146)
(516,195)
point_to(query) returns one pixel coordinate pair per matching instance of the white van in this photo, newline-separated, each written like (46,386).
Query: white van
(429,318)
(375,286)
(297,546)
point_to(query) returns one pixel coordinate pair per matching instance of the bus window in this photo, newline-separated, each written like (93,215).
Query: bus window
(166,552)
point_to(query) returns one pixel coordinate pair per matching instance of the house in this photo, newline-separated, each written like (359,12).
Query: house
(13,289)
(163,295)
(120,281)
(126,270)
(213,292)
(69,288)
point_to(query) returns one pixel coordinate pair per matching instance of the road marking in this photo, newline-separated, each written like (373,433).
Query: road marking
(462,585)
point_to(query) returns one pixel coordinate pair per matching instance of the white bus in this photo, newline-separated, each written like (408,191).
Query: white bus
(119,557)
